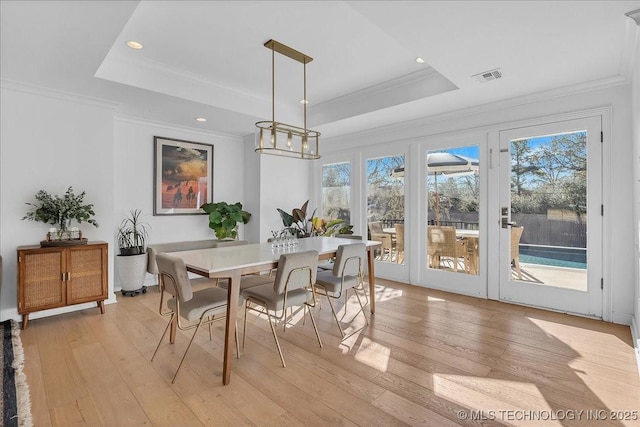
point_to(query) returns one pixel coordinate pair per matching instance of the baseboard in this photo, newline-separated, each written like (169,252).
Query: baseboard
(13,313)
(635,336)
(621,319)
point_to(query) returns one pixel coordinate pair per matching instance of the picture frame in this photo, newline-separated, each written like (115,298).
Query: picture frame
(182,176)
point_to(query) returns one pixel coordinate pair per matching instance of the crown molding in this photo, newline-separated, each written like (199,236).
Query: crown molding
(170,80)
(170,126)
(411,79)
(57,94)
(548,95)
(401,90)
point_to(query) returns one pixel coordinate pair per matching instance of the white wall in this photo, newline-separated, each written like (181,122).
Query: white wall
(274,182)
(134,174)
(134,170)
(50,142)
(620,293)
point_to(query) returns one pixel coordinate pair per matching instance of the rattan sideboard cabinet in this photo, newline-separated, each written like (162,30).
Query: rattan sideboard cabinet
(59,276)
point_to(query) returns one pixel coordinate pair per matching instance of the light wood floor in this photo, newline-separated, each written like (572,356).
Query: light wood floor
(427,358)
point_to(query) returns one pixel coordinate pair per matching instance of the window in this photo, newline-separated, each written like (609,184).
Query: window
(385,206)
(336,188)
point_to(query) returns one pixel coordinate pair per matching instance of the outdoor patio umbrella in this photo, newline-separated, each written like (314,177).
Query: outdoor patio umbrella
(443,163)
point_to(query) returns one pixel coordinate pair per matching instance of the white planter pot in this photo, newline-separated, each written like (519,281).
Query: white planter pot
(131,271)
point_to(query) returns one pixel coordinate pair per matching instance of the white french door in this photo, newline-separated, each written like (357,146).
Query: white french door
(452,225)
(550,226)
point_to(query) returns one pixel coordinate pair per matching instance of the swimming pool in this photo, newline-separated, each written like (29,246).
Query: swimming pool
(555,256)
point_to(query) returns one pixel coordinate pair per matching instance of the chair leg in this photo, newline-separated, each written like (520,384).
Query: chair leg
(244,329)
(361,307)
(516,261)
(315,328)
(237,342)
(187,350)
(162,337)
(335,316)
(275,336)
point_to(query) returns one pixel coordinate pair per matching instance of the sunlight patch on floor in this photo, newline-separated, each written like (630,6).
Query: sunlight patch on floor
(387,294)
(370,353)
(495,400)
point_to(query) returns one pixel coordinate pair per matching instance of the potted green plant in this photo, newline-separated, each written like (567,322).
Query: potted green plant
(59,211)
(224,218)
(132,234)
(297,223)
(131,264)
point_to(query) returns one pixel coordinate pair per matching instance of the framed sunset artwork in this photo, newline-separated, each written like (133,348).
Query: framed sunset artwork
(183,176)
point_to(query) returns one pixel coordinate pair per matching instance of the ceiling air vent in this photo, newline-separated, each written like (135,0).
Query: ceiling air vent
(487,76)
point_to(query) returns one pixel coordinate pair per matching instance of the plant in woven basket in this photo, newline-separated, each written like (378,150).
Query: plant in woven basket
(59,211)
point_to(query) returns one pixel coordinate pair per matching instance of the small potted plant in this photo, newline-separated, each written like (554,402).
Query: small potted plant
(60,211)
(132,234)
(224,218)
(131,264)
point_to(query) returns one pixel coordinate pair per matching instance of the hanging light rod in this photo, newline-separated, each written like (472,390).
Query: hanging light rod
(281,139)
(287,51)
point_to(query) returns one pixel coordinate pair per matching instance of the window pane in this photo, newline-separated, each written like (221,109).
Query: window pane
(453,204)
(336,188)
(385,206)
(549,203)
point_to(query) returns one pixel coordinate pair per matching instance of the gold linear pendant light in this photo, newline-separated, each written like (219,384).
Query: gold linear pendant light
(281,139)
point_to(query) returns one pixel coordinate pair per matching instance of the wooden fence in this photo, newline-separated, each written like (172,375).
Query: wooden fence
(539,229)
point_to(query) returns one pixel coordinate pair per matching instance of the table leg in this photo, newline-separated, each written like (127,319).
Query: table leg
(372,281)
(230,331)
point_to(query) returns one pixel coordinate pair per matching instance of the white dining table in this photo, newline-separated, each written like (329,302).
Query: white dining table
(232,262)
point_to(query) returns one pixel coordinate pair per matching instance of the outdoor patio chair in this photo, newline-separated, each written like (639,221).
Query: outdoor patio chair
(442,243)
(399,243)
(516,234)
(377,234)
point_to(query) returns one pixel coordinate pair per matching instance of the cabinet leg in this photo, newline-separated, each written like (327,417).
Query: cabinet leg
(25,321)
(101,306)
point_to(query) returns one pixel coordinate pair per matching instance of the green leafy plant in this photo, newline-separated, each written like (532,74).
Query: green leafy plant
(224,218)
(132,234)
(298,223)
(58,211)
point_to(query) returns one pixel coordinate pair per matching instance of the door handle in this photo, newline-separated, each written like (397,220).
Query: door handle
(506,223)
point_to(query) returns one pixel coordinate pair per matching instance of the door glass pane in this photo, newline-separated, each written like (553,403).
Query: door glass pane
(385,206)
(453,205)
(336,191)
(549,202)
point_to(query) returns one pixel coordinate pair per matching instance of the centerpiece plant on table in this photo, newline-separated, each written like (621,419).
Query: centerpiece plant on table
(302,226)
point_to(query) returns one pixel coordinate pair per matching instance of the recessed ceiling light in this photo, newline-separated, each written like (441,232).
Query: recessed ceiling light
(200,119)
(134,45)
(304,101)
(419,60)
